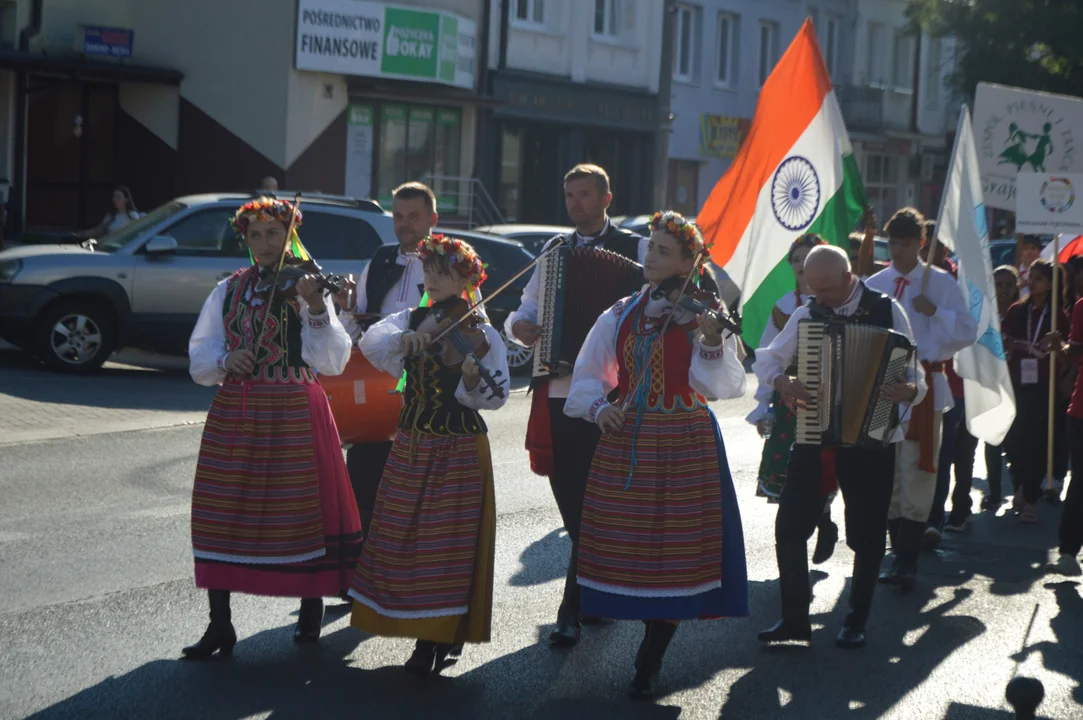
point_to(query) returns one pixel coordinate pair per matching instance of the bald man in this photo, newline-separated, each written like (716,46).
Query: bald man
(865,474)
(269,183)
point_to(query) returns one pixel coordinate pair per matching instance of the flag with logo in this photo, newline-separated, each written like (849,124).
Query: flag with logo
(795,174)
(962,227)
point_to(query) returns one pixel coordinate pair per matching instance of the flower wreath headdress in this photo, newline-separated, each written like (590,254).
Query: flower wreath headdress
(680,227)
(460,255)
(268,209)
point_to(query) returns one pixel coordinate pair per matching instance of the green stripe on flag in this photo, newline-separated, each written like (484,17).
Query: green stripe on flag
(835,223)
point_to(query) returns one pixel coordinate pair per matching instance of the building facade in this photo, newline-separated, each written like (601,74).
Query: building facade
(891,87)
(573,81)
(171,98)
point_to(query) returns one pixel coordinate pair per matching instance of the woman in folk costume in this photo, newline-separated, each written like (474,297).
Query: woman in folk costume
(272,508)
(426,570)
(661,537)
(780,433)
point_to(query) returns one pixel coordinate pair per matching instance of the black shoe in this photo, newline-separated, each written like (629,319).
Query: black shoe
(423,659)
(890,576)
(220,636)
(594,620)
(309,621)
(826,538)
(781,632)
(911,534)
(850,638)
(991,503)
(907,579)
(656,639)
(445,656)
(566,634)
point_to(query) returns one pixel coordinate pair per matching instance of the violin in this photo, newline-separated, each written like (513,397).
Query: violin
(462,337)
(699,302)
(293,270)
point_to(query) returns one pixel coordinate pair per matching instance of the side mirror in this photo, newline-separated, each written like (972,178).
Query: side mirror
(161,245)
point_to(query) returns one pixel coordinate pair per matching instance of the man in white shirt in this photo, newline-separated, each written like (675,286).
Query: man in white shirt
(865,473)
(562,447)
(940,318)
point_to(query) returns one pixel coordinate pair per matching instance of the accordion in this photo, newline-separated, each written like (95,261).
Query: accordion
(844,367)
(575,286)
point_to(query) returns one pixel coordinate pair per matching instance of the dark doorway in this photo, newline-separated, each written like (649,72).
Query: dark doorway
(70,153)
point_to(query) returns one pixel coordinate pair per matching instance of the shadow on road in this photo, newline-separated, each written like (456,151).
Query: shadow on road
(544,560)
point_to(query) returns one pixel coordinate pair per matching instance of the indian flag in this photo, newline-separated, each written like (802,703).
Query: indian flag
(794,174)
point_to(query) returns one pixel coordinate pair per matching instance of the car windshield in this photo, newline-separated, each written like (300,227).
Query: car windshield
(125,235)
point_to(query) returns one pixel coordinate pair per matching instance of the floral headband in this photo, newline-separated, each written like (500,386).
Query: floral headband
(459,255)
(264,209)
(809,240)
(679,227)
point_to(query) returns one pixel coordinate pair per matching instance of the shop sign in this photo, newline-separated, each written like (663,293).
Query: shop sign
(106,41)
(1024,131)
(574,103)
(355,37)
(720,136)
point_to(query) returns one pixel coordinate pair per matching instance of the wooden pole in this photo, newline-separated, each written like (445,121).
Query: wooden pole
(933,243)
(1053,360)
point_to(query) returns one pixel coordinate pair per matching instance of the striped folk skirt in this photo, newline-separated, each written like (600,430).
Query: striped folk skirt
(426,570)
(668,543)
(273,512)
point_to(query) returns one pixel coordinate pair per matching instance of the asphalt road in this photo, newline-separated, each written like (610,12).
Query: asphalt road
(97,598)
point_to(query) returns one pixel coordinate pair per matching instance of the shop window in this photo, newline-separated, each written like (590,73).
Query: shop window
(420,143)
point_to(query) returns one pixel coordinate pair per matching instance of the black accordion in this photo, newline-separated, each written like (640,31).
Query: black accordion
(575,286)
(844,367)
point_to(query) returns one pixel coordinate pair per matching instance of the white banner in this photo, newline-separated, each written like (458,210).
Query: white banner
(1024,131)
(1049,204)
(987,386)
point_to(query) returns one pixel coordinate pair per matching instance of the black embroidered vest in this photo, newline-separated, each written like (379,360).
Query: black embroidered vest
(278,359)
(874,308)
(384,272)
(429,403)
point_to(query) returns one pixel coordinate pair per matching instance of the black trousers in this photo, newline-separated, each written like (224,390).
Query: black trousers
(994,469)
(1028,439)
(1071,522)
(866,477)
(574,442)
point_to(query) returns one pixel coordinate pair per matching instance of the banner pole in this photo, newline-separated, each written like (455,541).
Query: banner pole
(1053,362)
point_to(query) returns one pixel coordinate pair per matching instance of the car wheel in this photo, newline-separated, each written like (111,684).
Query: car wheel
(75,336)
(520,359)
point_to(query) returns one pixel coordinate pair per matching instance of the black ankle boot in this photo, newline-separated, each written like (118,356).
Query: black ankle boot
(911,535)
(220,636)
(309,621)
(862,589)
(656,639)
(445,655)
(796,596)
(569,624)
(890,576)
(826,537)
(422,660)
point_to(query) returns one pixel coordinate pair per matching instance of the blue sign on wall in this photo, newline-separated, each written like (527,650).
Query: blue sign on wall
(111,42)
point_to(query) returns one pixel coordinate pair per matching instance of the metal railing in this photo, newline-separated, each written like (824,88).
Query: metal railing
(465,198)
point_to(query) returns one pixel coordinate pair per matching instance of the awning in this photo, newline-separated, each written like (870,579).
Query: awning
(416,92)
(83,68)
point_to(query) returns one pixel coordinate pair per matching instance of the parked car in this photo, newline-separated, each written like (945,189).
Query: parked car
(503,258)
(533,237)
(144,286)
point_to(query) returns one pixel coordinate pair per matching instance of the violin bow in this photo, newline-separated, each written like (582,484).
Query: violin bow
(502,288)
(700,257)
(278,272)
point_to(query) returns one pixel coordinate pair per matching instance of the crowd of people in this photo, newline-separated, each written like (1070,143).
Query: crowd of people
(620,424)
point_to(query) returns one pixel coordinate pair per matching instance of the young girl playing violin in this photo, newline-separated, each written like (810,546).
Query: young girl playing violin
(661,538)
(426,570)
(272,508)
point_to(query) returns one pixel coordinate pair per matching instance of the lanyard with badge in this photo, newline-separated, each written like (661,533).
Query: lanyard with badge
(1028,367)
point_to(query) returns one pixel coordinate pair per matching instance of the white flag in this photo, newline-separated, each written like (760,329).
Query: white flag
(962,227)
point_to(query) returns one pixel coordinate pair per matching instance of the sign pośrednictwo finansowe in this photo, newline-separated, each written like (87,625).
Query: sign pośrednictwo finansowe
(354,37)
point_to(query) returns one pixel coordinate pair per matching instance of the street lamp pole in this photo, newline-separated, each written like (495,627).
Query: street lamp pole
(665,92)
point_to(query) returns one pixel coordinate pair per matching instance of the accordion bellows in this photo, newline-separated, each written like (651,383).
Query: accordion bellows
(576,285)
(844,367)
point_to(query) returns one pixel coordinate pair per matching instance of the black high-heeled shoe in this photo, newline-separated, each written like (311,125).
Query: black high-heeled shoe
(220,637)
(309,621)
(422,660)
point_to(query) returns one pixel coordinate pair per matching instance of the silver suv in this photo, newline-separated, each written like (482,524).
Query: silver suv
(144,286)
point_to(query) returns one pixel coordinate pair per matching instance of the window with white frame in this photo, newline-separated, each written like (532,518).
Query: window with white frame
(880,175)
(768,49)
(829,42)
(902,66)
(934,79)
(874,63)
(727,50)
(530,12)
(684,60)
(608,15)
